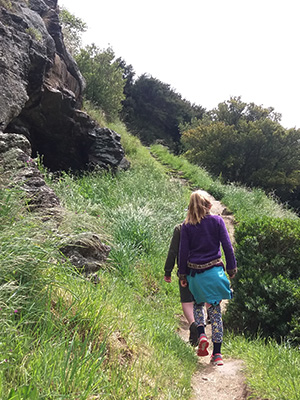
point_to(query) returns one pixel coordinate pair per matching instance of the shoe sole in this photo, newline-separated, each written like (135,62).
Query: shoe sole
(218,362)
(202,349)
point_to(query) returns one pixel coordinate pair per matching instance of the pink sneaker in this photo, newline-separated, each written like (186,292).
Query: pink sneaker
(216,359)
(203,345)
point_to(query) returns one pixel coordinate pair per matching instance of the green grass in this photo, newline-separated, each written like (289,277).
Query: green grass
(243,202)
(116,339)
(272,369)
(63,337)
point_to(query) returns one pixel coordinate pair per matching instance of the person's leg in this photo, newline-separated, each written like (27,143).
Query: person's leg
(188,311)
(187,303)
(216,324)
(199,315)
(215,315)
(200,321)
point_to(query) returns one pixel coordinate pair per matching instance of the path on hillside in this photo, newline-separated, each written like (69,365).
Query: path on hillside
(210,382)
(226,382)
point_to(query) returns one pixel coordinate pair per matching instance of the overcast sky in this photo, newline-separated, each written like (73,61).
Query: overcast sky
(207,50)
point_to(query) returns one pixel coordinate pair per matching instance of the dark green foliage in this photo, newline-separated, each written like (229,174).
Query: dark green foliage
(245,143)
(152,110)
(233,111)
(104,79)
(128,75)
(266,288)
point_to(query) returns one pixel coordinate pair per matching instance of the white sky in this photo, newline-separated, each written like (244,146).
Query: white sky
(207,50)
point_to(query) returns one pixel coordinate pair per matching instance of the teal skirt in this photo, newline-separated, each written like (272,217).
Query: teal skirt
(210,286)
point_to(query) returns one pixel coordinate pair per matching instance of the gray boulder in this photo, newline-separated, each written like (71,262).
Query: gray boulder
(86,252)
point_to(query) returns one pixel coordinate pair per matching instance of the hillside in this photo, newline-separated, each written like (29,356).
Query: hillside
(113,334)
(86,215)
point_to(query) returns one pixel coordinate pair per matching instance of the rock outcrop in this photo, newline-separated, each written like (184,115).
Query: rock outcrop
(19,170)
(41,91)
(84,251)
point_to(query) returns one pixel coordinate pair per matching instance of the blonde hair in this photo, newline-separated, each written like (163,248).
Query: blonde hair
(199,207)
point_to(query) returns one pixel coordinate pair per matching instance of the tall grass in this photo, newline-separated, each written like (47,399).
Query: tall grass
(74,339)
(242,201)
(272,369)
(64,337)
(139,209)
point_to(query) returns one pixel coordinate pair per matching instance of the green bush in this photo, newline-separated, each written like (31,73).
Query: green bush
(6,4)
(266,288)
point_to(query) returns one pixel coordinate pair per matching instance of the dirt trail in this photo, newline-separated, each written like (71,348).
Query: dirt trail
(210,382)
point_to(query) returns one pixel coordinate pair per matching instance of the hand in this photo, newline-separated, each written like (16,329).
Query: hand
(183,282)
(167,279)
(232,273)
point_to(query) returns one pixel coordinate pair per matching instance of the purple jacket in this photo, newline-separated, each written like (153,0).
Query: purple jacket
(201,243)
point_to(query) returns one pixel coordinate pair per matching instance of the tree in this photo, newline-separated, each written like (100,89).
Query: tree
(153,110)
(232,111)
(128,75)
(72,28)
(245,143)
(104,79)
(214,146)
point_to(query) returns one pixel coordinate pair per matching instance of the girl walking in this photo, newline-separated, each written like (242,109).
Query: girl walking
(202,269)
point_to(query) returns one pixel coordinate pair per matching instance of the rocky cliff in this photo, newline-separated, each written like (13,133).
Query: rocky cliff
(41,91)
(40,99)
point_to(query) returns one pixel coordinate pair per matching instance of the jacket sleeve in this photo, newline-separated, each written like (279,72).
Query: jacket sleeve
(173,251)
(183,250)
(227,247)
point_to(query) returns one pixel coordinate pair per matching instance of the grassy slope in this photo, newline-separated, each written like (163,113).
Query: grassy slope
(67,338)
(272,370)
(64,337)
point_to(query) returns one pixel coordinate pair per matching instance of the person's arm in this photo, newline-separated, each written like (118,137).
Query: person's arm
(183,251)
(172,254)
(231,267)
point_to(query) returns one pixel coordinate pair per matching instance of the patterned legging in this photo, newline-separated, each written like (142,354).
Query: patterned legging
(215,316)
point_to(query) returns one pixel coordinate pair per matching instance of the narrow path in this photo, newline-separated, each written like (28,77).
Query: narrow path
(226,382)
(210,382)
(215,383)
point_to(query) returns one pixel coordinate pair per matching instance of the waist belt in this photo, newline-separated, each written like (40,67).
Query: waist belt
(217,261)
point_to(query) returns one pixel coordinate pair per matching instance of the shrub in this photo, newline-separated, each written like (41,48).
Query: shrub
(6,4)
(34,33)
(266,288)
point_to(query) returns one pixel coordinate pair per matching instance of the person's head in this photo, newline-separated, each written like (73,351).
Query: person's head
(199,207)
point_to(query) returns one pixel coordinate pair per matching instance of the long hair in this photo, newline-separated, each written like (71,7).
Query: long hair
(199,207)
